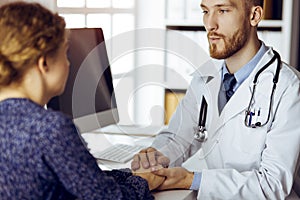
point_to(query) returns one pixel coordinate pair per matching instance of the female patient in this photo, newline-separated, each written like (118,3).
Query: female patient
(42,156)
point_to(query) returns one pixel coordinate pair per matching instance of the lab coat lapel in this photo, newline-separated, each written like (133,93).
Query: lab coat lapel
(240,100)
(210,72)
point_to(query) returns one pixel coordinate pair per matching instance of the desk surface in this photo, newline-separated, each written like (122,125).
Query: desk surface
(175,195)
(97,142)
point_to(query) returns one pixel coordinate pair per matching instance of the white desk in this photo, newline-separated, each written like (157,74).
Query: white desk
(175,195)
(97,142)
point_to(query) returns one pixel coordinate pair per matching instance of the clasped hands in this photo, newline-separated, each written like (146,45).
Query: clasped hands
(152,165)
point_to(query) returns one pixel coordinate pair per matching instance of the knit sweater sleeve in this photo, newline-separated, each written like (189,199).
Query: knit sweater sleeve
(66,156)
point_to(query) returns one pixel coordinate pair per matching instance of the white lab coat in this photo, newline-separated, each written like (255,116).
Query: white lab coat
(243,163)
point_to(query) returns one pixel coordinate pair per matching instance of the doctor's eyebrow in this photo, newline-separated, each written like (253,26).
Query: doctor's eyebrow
(230,4)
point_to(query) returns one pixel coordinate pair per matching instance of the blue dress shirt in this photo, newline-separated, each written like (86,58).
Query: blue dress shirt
(246,70)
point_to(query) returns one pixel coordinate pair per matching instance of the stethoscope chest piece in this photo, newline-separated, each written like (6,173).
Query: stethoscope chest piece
(200,134)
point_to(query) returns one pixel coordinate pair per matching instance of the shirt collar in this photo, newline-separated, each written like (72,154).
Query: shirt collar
(246,70)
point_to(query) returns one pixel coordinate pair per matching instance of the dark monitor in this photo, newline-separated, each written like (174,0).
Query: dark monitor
(89,94)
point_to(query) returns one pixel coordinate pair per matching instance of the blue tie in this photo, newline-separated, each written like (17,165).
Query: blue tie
(229,83)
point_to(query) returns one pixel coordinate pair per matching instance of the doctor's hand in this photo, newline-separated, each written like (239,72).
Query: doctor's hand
(175,178)
(149,157)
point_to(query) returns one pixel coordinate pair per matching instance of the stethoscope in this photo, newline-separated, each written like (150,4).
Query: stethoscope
(248,113)
(200,132)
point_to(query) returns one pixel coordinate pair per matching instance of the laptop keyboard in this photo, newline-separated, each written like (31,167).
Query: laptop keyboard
(120,153)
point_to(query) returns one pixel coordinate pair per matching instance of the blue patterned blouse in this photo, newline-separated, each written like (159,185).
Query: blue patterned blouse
(43,157)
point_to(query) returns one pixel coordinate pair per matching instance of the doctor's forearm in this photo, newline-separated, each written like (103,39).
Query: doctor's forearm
(174,149)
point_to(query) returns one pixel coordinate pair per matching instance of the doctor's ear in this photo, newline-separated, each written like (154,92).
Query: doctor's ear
(256,15)
(42,64)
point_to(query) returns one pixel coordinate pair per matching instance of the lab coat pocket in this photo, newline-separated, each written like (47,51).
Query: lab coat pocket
(250,140)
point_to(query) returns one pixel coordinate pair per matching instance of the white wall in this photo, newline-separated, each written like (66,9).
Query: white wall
(50,4)
(149,90)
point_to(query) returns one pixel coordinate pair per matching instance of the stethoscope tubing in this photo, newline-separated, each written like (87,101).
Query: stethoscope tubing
(200,131)
(275,81)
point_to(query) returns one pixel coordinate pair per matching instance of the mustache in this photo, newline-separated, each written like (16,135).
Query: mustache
(214,34)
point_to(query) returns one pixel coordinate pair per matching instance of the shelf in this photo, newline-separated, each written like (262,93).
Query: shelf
(192,25)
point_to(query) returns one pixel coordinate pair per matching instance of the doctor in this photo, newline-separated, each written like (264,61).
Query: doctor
(250,135)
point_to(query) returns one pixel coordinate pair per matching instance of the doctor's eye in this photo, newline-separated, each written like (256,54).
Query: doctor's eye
(222,11)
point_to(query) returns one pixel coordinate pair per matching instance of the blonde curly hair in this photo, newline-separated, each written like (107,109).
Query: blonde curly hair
(28,31)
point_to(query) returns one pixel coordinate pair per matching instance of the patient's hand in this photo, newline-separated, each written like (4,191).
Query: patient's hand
(154,181)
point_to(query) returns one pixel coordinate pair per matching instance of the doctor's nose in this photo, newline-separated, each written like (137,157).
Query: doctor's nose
(210,22)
